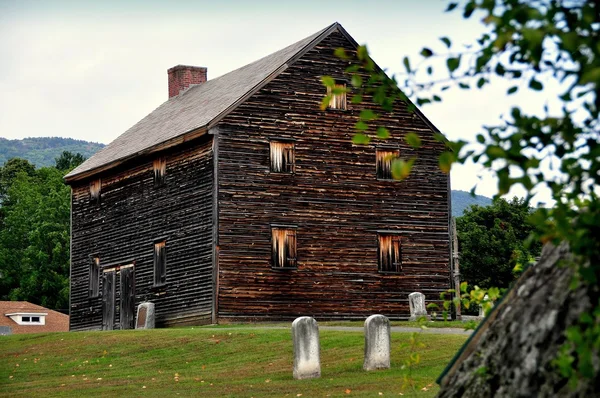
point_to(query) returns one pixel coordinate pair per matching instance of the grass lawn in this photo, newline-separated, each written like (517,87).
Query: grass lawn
(248,362)
(409,324)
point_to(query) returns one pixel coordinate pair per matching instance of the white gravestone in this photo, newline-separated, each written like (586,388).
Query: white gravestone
(305,335)
(377,343)
(416,301)
(144,319)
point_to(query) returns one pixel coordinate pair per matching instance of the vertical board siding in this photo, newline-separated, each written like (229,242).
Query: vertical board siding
(132,215)
(335,200)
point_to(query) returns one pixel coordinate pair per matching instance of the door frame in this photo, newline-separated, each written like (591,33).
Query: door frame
(109,297)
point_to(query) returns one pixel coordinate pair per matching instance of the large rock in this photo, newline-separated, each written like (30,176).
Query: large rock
(307,361)
(511,353)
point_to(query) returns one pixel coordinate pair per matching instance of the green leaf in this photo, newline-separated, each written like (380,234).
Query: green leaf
(360,139)
(504,182)
(480,82)
(367,115)
(413,140)
(500,71)
(453,63)
(362,53)
(446,160)
(406,62)
(328,81)
(325,102)
(464,86)
(566,97)
(446,41)
(361,126)
(495,152)
(451,6)
(338,90)
(356,99)
(401,169)
(512,90)
(426,52)
(356,81)
(383,133)
(469,8)
(340,53)
(439,137)
(480,138)
(535,84)
(353,68)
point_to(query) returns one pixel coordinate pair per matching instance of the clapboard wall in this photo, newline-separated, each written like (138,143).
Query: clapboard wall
(333,198)
(132,214)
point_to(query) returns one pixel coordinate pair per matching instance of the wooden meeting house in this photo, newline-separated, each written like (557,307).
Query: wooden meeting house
(240,199)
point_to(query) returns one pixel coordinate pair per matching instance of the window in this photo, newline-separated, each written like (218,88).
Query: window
(95,188)
(390,254)
(160,263)
(337,101)
(28,318)
(384,159)
(94,281)
(284,248)
(160,167)
(282,157)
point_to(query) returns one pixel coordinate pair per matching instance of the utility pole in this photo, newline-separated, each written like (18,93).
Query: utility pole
(456,270)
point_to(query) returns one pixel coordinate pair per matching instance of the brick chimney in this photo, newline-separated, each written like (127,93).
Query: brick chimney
(183,76)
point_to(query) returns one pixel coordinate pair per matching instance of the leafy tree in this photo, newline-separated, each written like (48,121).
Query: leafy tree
(491,242)
(9,172)
(544,46)
(68,160)
(34,239)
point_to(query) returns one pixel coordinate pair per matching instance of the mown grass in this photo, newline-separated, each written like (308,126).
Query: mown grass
(408,324)
(248,362)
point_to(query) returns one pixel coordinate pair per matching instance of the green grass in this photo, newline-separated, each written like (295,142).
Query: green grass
(408,324)
(248,362)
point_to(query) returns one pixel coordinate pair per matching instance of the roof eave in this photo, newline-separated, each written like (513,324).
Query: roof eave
(185,137)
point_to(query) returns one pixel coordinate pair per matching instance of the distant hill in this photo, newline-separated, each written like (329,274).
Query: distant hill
(461,200)
(43,150)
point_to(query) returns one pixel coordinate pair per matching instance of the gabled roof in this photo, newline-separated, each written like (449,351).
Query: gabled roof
(198,107)
(195,110)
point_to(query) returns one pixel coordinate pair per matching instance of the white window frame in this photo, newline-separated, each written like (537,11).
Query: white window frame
(18,318)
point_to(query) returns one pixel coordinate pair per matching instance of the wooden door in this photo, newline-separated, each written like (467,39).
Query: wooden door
(108,299)
(127,298)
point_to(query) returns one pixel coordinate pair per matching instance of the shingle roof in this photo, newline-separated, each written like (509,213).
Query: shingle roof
(55,321)
(195,107)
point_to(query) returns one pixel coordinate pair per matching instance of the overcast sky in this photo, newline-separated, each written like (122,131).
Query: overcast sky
(90,70)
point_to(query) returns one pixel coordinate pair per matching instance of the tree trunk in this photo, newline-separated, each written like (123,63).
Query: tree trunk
(511,353)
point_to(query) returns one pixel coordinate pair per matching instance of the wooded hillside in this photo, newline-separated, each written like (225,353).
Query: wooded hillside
(41,151)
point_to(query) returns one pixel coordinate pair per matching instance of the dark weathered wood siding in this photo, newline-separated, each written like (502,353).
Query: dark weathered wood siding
(333,198)
(132,214)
